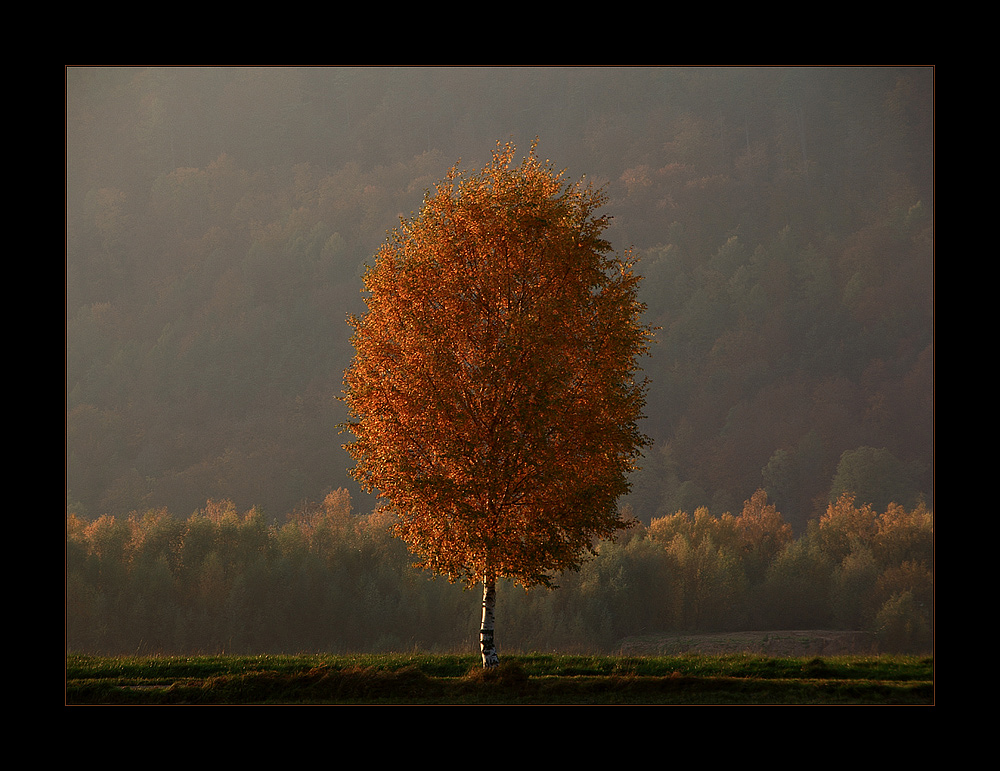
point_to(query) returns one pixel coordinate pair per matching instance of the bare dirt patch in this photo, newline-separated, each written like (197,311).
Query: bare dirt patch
(808,642)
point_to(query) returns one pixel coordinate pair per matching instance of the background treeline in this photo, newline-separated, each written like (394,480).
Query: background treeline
(218,221)
(328,580)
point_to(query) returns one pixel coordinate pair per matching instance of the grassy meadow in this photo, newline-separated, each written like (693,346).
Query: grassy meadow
(529,679)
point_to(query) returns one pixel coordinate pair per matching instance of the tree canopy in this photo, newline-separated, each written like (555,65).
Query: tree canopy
(494,393)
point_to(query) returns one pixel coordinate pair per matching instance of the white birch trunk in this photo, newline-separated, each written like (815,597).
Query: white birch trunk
(486,641)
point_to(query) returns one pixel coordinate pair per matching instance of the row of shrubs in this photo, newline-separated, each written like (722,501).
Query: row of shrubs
(327,580)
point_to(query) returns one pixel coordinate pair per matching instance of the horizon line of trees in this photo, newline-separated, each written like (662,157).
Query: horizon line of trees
(328,580)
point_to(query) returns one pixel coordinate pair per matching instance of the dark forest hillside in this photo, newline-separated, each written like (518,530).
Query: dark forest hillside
(218,221)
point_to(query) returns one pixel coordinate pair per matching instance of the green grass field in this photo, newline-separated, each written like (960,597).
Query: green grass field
(530,679)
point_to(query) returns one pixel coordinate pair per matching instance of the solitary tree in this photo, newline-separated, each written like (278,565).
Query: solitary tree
(494,396)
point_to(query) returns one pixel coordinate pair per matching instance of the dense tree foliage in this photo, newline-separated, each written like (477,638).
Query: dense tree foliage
(329,580)
(493,395)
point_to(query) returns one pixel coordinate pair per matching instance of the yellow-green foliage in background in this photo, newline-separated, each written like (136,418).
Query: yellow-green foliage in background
(328,580)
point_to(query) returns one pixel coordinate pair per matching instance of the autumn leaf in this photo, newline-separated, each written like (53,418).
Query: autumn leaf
(494,393)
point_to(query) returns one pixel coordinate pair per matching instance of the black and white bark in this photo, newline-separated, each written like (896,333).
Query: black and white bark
(486,639)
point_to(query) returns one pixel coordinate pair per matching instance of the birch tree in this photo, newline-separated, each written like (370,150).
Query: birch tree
(495,391)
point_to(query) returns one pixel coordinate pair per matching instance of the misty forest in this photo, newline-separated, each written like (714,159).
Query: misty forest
(219,221)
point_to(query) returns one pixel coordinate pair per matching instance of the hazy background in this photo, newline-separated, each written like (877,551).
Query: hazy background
(218,221)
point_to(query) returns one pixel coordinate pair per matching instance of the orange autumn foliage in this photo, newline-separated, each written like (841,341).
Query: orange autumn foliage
(493,394)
